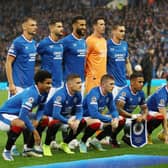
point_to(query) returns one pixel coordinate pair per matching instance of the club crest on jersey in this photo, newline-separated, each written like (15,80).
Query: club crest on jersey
(123,94)
(58,98)
(75,100)
(74,44)
(162,102)
(111,49)
(31,100)
(51,46)
(93,99)
(124,48)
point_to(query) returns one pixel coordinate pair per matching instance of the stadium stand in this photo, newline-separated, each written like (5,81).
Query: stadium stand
(146,24)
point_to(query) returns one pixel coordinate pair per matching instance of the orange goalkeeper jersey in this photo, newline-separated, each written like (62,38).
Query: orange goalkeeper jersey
(96,59)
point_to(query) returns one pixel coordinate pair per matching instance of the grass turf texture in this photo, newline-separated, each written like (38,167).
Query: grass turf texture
(158,148)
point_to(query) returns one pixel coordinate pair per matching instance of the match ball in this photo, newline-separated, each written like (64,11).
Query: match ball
(138,67)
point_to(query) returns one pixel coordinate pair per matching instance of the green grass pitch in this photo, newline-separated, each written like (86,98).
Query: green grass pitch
(158,148)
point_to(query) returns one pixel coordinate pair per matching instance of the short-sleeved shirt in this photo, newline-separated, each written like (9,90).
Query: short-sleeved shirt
(51,59)
(116,61)
(95,103)
(73,55)
(158,100)
(63,105)
(23,103)
(25,53)
(131,100)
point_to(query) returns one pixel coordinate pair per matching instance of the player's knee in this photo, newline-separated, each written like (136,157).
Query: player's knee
(83,122)
(156,117)
(18,123)
(53,122)
(44,122)
(17,129)
(160,117)
(95,126)
(122,121)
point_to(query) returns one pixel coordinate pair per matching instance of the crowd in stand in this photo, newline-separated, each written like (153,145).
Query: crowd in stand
(146,25)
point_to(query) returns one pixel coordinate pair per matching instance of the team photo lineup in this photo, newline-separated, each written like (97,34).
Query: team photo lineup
(81,84)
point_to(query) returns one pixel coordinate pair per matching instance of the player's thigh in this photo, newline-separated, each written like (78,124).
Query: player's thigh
(4,124)
(90,120)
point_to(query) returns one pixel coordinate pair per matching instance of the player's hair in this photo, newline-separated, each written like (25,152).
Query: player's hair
(52,21)
(76,18)
(135,75)
(97,18)
(116,24)
(41,76)
(106,77)
(72,76)
(26,18)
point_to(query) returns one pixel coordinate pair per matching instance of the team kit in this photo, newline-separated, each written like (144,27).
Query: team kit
(80,88)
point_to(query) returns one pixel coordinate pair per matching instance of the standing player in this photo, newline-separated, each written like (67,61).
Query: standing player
(14,113)
(21,61)
(96,56)
(51,50)
(128,99)
(157,104)
(117,58)
(21,58)
(74,46)
(75,49)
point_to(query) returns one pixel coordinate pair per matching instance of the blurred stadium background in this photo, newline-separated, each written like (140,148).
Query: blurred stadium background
(146,23)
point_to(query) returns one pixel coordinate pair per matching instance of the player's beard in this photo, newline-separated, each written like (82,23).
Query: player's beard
(122,37)
(59,35)
(80,32)
(32,33)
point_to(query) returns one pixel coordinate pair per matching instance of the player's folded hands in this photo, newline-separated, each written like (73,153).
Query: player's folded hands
(114,123)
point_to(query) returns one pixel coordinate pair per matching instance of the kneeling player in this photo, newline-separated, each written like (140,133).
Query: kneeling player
(14,114)
(128,99)
(94,104)
(157,103)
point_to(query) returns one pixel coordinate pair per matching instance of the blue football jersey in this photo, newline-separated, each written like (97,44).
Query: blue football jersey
(24,52)
(22,104)
(73,55)
(130,99)
(116,61)
(63,105)
(95,103)
(158,100)
(51,59)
